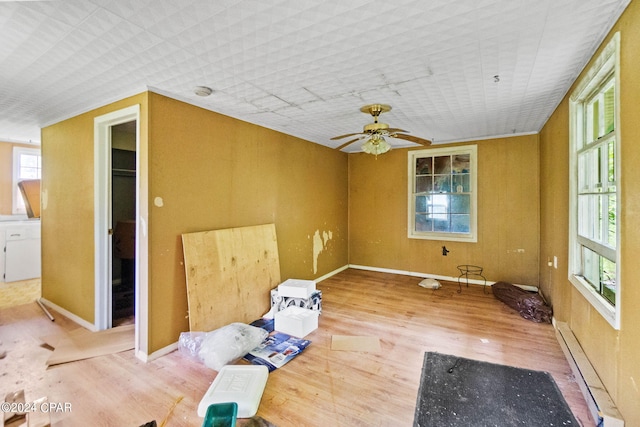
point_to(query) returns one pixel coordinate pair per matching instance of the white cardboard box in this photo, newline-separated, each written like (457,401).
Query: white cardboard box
(296,288)
(296,321)
(314,302)
(237,383)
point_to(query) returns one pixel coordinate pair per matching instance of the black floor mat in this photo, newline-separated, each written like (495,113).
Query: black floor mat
(455,391)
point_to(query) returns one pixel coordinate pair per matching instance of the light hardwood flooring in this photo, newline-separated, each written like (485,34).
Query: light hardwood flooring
(22,292)
(321,387)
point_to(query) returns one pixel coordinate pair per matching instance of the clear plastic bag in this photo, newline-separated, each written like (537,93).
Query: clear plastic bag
(221,346)
(189,344)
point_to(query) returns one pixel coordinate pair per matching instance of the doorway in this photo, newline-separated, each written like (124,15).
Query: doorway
(123,222)
(116,210)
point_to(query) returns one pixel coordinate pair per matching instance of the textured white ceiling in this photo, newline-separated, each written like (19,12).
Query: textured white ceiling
(303,67)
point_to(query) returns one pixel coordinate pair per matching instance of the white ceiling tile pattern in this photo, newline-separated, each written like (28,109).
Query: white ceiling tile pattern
(303,67)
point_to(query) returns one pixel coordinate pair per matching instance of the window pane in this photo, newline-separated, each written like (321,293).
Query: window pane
(600,273)
(423,223)
(421,204)
(609,117)
(442,165)
(442,183)
(583,183)
(29,167)
(461,183)
(611,162)
(424,184)
(609,280)
(611,235)
(423,165)
(460,204)
(587,209)
(593,114)
(460,223)
(441,223)
(439,207)
(591,268)
(599,160)
(461,163)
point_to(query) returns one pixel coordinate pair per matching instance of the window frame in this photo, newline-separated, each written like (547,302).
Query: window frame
(16,197)
(605,67)
(472,235)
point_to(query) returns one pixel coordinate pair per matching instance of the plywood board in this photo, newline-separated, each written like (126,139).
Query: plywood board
(230,274)
(30,189)
(78,346)
(355,343)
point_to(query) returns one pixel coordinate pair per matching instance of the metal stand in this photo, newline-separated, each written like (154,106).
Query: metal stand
(467,270)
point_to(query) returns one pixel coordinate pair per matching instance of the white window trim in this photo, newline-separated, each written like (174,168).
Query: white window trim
(15,192)
(608,60)
(472,236)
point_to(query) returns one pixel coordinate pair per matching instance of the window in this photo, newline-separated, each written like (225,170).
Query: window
(442,193)
(27,164)
(595,187)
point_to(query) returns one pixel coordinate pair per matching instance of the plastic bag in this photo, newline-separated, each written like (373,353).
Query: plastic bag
(229,343)
(189,344)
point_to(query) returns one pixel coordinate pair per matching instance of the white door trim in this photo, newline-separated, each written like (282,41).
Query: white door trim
(102,216)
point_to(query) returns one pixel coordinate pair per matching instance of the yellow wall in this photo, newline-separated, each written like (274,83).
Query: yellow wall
(211,172)
(614,354)
(6,174)
(508,215)
(68,210)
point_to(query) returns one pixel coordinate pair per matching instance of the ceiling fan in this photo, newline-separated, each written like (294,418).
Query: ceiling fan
(375,133)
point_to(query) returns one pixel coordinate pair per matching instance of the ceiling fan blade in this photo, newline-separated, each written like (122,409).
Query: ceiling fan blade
(412,138)
(394,130)
(344,136)
(347,143)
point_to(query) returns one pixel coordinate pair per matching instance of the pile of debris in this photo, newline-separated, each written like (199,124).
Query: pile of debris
(530,305)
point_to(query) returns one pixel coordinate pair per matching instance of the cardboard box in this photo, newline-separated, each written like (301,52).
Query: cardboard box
(296,321)
(314,302)
(296,288)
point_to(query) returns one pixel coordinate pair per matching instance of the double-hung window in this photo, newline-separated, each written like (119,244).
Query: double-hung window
(27,164)
(595,186)
(442,193)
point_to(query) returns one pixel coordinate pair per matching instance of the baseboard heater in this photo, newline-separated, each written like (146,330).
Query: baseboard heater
(602,408)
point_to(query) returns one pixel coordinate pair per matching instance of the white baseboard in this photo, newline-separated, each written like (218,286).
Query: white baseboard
(80,321)
(435,276)
(602,408)
(333,273)
(156,354)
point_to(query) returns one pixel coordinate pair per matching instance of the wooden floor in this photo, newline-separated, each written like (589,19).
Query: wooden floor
(320,387)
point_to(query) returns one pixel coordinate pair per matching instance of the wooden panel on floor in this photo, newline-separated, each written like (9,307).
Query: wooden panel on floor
(79,345)
(230,274)
(355,343)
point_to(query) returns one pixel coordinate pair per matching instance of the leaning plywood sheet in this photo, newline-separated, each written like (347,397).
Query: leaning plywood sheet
(230,274)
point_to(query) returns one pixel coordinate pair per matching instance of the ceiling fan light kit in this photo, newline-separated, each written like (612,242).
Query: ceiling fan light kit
(376,145)
(375,133)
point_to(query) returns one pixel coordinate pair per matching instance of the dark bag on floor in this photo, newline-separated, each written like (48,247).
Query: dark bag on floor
(530,305)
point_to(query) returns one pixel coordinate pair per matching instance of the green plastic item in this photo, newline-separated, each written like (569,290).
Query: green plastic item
(221,415)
